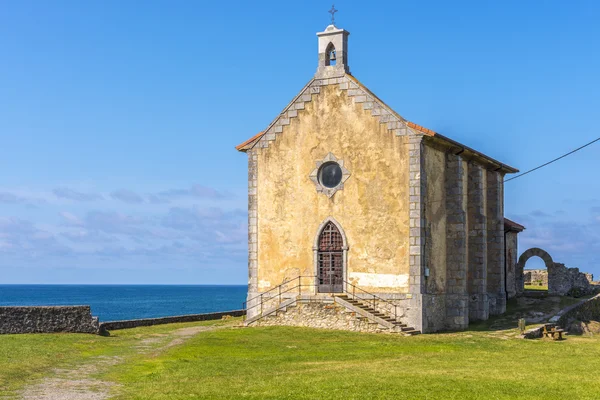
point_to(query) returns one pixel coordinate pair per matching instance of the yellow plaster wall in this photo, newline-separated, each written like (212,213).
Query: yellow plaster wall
(435,216)
(372,208)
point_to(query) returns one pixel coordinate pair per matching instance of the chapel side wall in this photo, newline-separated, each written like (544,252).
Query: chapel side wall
(435,239)
(372,208)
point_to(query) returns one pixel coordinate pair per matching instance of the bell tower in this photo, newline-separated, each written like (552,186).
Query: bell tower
(333,52)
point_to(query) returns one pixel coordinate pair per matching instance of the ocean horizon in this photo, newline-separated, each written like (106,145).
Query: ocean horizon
(117,302)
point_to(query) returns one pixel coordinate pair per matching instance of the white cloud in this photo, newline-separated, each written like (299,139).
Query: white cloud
(70,194)
(127,196)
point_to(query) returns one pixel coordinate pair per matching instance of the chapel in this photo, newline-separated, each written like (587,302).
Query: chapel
(360,219)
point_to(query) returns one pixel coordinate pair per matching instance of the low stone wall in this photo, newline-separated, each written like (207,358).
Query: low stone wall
(585,311)
(323,315)
(134,323)
(47,319)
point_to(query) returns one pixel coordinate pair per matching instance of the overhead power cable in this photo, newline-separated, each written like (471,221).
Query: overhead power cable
(550,162)
(536,168)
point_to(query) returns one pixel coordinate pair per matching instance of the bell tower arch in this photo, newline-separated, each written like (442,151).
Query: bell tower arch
(333,53)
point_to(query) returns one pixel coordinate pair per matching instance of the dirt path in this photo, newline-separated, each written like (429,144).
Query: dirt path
(79,383)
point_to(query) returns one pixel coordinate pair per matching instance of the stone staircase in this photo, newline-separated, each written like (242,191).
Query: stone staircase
(281,306)
(367,311)
(359,308)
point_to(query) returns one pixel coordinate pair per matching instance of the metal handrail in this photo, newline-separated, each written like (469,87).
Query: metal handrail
(298,286)
(374,299)
(270,290)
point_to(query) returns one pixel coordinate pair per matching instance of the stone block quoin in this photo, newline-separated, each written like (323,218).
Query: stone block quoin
(252,225)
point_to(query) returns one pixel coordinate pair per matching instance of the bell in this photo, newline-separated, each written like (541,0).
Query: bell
(332,55)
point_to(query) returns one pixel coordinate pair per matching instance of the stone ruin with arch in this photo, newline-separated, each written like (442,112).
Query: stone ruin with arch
(561,280)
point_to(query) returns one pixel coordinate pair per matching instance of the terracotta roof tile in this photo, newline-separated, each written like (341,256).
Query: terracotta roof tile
(510,225)
(420,128)
(241,146)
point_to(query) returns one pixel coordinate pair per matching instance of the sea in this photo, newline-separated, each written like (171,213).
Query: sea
(121,302)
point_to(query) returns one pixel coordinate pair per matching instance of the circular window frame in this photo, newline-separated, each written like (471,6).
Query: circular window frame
(338,174)
(315,175)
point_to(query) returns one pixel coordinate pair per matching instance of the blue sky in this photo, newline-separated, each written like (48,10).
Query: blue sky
(118,120)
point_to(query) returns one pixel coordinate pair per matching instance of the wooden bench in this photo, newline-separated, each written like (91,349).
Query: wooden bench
(551,331)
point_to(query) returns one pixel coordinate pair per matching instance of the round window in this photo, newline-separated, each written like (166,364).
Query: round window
(330,174)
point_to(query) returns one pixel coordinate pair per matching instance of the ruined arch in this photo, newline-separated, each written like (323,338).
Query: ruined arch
(535,252)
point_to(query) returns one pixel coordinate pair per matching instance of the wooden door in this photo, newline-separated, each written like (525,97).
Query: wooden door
(330,260)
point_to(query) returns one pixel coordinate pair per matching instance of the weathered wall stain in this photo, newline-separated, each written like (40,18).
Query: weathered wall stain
(372,208)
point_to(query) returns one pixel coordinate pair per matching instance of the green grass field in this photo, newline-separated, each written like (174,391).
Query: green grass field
(301,363)
(26,358)
(536,287)
(277,362)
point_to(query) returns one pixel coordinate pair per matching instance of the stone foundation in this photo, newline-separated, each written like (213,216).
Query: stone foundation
(457,312)
(393,304)
(322,315)
(51,319)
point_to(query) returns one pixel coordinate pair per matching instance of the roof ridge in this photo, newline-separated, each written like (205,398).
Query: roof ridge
(401,126)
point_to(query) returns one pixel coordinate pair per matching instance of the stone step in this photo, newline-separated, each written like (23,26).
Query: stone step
(396,325)
(372,311)
(408,329)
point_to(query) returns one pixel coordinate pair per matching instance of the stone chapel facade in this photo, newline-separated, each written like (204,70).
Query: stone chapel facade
(345,196)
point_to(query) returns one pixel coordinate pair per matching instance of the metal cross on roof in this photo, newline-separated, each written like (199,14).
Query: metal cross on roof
(332,12)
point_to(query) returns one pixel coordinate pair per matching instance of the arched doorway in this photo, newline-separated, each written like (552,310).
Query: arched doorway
(330,259)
